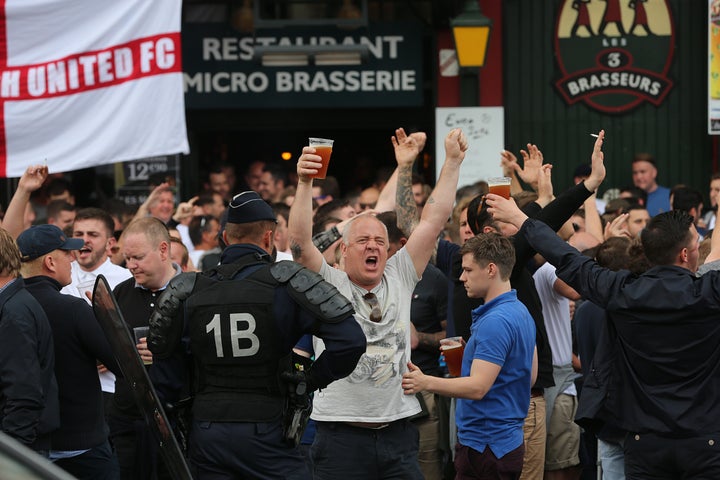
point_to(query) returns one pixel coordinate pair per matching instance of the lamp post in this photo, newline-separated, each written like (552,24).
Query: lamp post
(471,31)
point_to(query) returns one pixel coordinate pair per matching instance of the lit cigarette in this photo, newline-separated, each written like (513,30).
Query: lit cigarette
(594,135)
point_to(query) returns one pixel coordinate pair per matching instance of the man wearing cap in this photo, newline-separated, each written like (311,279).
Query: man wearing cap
(241,321)
(29,408)
(80,446)
(146,248)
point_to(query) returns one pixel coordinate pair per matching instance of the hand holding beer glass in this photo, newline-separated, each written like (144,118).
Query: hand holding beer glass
(452,349)
(500,186)
(323,147)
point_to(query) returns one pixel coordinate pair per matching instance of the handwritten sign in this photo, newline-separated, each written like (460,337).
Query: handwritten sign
(484,129)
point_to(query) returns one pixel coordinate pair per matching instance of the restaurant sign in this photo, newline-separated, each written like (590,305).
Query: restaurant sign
(614,55)
(221,70)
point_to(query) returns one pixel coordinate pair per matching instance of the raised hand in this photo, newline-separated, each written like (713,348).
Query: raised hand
(544,185)
(509,163)
(185,210)
(420,138)
(455,145)
(532,161)
(617,228)
(33,178)
(597,175)
(308,164)
(406,147)
(504,210)
(156,192)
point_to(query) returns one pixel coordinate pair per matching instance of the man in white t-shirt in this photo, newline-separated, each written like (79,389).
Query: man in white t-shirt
(95,228)
(367,410)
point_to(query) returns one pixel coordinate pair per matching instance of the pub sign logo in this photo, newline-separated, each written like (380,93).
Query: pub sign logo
(614,55)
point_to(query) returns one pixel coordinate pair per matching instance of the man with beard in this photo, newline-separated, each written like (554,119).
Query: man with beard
(95,228)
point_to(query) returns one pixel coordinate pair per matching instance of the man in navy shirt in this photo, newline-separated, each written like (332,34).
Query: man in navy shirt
(80,446)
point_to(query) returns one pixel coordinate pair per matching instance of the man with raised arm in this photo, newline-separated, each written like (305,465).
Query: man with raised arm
(367,410)
(666,338)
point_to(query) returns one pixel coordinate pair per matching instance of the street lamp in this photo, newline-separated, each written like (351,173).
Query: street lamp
(471,31)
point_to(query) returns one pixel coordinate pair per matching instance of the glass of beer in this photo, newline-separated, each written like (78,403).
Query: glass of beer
(452,349)
(323,147)
(500,186)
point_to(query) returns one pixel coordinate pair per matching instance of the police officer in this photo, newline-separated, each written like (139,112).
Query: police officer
(237,325)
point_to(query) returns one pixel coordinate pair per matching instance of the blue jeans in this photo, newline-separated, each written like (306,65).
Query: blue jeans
(344,452)
(612,459)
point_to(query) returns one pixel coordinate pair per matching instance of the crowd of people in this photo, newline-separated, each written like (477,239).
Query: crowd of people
(304,326)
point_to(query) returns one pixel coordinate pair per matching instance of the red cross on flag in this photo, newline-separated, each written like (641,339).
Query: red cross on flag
(89,82)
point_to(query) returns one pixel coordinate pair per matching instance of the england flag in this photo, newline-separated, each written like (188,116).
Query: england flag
(89,82)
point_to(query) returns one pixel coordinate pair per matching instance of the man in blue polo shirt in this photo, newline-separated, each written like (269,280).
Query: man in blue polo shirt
(499,365)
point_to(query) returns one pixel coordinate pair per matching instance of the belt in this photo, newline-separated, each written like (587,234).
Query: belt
(368,425)
(536,392)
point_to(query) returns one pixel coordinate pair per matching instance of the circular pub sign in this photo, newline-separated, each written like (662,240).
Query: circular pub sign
(614,55)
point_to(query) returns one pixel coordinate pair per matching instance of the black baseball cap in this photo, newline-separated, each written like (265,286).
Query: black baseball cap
(42,239)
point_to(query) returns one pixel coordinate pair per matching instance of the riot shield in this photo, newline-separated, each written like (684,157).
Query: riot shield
(123,346)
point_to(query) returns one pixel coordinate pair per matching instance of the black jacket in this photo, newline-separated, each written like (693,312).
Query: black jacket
(29,408)
(79,344)
(667,367)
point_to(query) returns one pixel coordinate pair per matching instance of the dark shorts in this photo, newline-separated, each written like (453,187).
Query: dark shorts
(471,464)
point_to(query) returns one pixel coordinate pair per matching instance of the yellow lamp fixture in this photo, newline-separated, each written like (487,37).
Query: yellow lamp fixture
(471,31)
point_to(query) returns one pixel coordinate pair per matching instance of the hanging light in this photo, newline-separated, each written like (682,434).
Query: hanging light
(471,31)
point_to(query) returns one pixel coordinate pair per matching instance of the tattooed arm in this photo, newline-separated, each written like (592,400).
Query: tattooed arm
(407,148)
(439,205)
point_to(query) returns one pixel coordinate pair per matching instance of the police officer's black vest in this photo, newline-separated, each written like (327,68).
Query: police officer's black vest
(236,344)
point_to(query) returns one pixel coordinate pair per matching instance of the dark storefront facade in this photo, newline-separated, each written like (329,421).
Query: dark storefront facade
(239,110)
(522,74)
